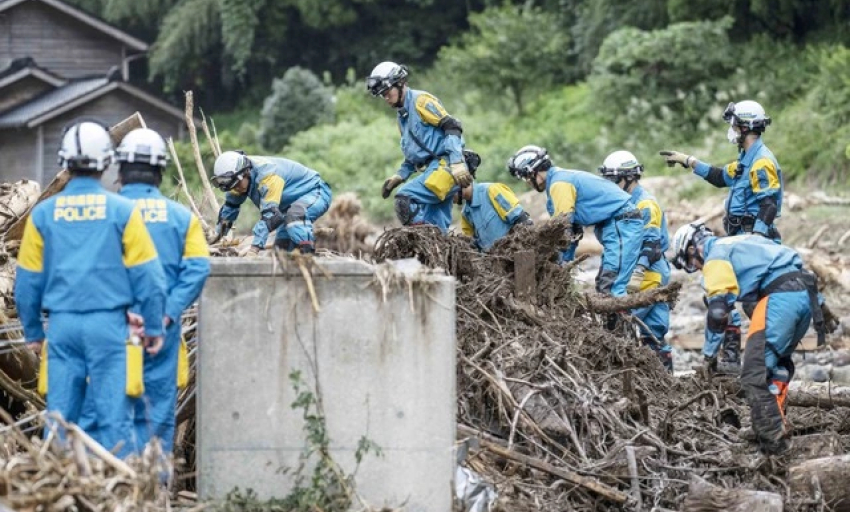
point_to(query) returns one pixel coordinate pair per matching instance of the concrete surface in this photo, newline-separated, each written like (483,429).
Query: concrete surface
(385,370)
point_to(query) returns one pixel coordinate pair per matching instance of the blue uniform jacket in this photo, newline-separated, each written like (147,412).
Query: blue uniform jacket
(588,198)
(275,183)
(760,176)
(424,121)
(180,242)
(490,214)
(87,249)
(737,268)
(656,239)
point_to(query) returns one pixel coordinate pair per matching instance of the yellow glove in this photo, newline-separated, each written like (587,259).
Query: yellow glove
(636,280)
(674,157)
(391,183)
(461,174)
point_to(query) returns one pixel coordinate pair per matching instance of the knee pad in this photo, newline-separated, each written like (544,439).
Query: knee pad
(283,244)
(405,209)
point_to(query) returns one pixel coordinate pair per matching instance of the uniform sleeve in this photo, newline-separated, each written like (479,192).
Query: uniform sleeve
(764,180)
(270,187)
(406,170)
(432,112)
(720,285)
(194,269)
(146,275)
(230,209)
(29,282)
(650,251)
(563,196)
(505,202)
(718,176)
(466,227)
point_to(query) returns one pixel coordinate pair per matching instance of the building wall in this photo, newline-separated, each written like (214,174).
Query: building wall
(17,155)
(110,108)
(56,41)
(21,91)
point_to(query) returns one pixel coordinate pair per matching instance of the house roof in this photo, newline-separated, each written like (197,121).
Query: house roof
(86,18)
(72,95)
(23,68)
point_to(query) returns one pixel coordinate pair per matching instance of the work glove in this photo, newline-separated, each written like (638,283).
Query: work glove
(221,230)
(390,184)
(674,157)
(461,174)
(636,280)
(830,321)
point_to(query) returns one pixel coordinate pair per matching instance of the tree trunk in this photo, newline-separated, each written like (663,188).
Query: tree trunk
(704,497)
(825,477)
(821,395)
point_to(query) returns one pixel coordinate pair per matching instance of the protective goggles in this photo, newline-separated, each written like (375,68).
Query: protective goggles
(227,181)
(378,86)
(620,172)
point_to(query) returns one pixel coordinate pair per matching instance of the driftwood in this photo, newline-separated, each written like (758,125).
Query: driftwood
(15,200)
(183,186)
(820,395)
(565,474)
(704,497)
(599,303)
(209,195)
(117,132)
(824,478)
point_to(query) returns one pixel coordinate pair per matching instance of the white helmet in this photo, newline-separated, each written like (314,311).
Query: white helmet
(384,76)
(86,146)
(747,114)
(689,235)
(528,161)
(228,169)
(620,164)
(144,146)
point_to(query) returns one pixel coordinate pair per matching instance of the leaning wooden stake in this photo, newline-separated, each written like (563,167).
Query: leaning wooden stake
(183,186)
(196,149)
(216,149)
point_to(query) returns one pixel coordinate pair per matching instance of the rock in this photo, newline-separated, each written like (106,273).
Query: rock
(817,373)
(841,374)
(841,358)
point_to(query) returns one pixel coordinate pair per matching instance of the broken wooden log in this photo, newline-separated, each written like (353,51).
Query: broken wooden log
(704,497)
(599,303)
(209,195)
(815,394)
(525,280)
(824,478)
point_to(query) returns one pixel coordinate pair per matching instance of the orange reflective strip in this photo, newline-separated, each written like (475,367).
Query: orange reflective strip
(757,322)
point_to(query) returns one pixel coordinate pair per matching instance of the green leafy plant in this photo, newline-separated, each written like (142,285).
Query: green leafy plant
(298,101)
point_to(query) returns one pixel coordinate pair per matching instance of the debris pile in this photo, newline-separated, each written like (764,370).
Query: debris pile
(570,416)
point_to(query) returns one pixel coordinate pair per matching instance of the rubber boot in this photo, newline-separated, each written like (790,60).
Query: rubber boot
(730,355)
(666,358)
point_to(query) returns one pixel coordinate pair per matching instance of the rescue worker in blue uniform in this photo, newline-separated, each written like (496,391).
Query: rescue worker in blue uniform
(587,200)
(290,197)
(85,259)
(755,195)
(183,252)
(490,211)
(652,269)
(752,267)
(432,143)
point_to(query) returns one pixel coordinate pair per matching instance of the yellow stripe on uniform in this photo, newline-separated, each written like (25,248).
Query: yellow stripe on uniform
(31,254)
(563,197)
(651,279)
(466,226)
(769,170)
(430,109)
(654,212)
(732,169)
(274,188)
(196,242)
(498,189)
(138,246)
(719,278)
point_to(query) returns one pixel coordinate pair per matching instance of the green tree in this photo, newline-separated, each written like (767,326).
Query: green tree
(298,101)
(511,49)
(672,74)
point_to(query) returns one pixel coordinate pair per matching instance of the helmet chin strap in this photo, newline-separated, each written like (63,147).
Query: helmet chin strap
(400,102)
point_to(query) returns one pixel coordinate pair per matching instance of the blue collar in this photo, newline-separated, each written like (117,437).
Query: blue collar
(139,190)
(84,184)
(477,193)
(747,157)
(405,108)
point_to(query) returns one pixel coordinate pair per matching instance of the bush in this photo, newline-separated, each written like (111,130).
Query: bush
(298,102)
